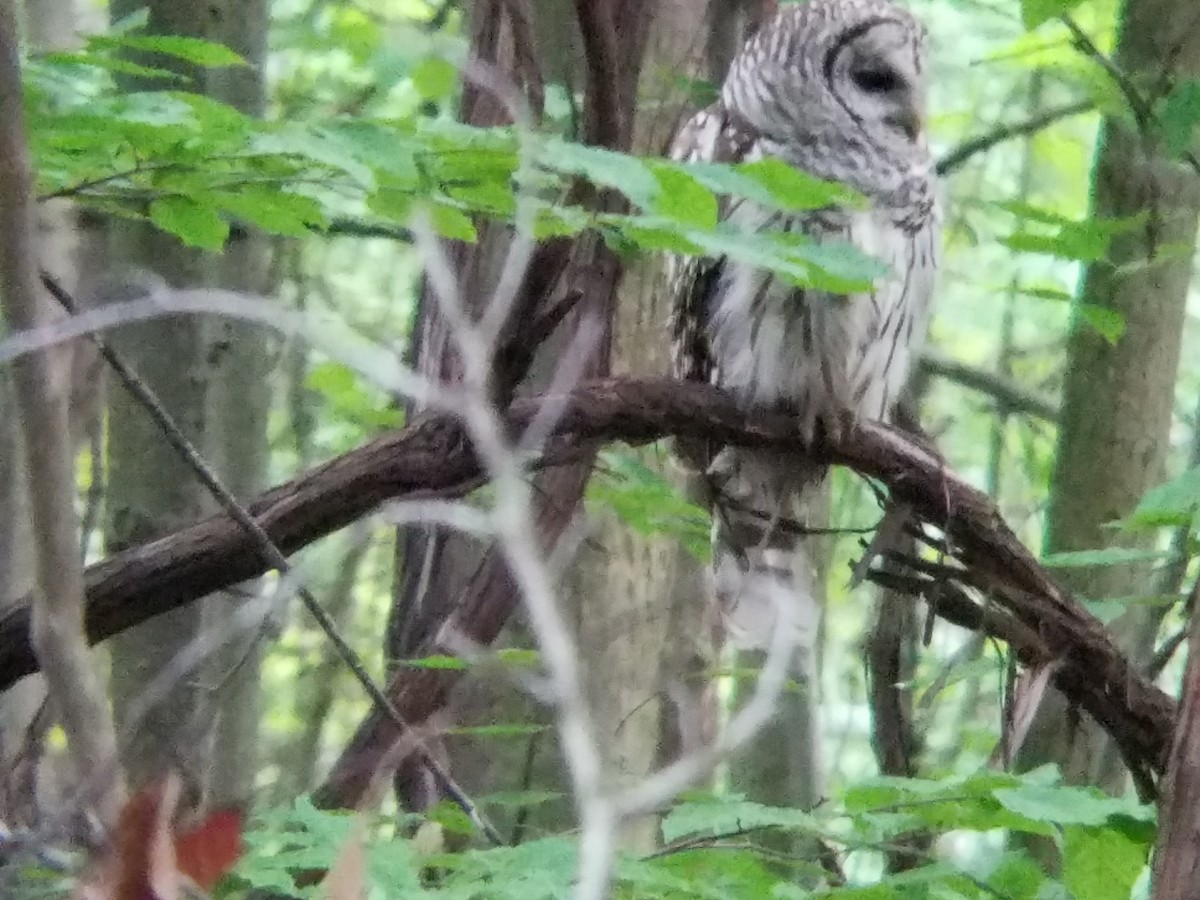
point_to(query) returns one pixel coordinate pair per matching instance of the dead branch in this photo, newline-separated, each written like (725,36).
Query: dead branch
(432,457)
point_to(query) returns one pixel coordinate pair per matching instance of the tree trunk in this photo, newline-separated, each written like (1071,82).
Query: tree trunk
(435,568)
(1118,398)
(642,603)
(211,375)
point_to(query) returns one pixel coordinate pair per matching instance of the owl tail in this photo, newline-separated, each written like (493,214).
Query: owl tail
(762,568)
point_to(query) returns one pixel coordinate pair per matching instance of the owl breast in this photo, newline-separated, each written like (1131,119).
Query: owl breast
(817,352)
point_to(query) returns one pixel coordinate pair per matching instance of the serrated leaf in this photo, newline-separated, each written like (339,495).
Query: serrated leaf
(1172,503)
(773,183)
(195,224)
(1036,12)
(273,210)
(646,502)
(110,64)
(794,189)
(949,803)
(628,174)
(193,50)
(716,815)
(1067,804)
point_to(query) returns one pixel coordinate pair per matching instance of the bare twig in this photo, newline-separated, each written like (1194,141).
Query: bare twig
(959,156)
(1007,393)
(57,629)
(1143,109)
(271,554)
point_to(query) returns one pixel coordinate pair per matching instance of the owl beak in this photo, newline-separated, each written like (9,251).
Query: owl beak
(910,121)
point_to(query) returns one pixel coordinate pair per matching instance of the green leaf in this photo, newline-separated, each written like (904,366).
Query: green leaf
(1058,235)
(631,176)
(1078,241)
(498,731)
(352,398)
(1173,503)
(435,78)
(195,224)
(683,198)
(535,870)
(452,223)
(793,189)
(774,184)
(716,815)
(436,661)
(1108,323)
(1068,805)
(945,804)
(519,657)
(1101,863)
(110,64)
(1179,117)
(274,210)
(1111,556)
(1036,12)
(646,502)
(189,49)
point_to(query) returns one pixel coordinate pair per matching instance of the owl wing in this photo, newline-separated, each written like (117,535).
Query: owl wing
(709,136)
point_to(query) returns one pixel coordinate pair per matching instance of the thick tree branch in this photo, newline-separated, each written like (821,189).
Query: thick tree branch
(433,457)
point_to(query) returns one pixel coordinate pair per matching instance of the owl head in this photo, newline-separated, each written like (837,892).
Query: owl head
(838,88)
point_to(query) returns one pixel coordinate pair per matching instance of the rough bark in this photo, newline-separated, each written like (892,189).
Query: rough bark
(638,598)
(1117,398)
(1176,865)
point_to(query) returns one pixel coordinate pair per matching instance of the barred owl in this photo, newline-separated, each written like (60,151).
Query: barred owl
(835,88)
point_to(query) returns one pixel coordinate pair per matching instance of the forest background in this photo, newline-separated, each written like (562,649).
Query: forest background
(309,229)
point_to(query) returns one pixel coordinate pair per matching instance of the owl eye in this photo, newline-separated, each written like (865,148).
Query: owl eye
(876,81)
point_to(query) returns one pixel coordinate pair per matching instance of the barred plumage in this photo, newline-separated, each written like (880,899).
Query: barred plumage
(836,89)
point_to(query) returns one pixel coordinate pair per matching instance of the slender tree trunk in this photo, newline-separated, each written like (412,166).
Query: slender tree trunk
(241,401)
(644,620)
(211,375)
(1118,398)
(48,26)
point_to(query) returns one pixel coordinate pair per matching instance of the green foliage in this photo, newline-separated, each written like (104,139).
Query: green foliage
(646,502)
(193,166)
(1174,502)
(1036,12)
(1179,115)
(711,847)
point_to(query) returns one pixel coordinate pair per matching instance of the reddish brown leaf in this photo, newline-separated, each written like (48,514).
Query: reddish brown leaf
(209,850)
